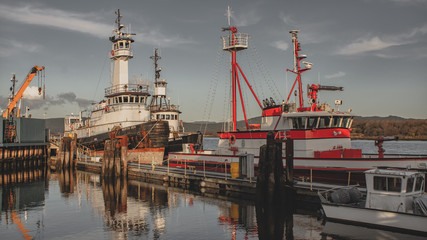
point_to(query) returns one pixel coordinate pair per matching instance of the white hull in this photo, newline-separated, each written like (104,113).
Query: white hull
(375,217)
(338,164)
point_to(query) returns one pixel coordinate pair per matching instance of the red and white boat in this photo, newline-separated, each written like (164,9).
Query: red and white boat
(321,134)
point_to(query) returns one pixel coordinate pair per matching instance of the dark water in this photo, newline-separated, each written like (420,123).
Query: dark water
(67,205)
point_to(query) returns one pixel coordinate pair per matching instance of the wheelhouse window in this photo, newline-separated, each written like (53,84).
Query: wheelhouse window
(127,45)
(336,122)
(121,44)
(419,184)
(120,99)
(347,121)
(136,99)
(130,99)
(125,99)
(409,184)
(312,122)
(157,116)
(387,184)
(324,122)
(163,116)
(299,123)
(168,117)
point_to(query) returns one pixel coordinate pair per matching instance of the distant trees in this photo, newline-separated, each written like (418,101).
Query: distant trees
(406,129)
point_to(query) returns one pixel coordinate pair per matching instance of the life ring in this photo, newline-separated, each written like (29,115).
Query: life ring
(112,52)
(106,109)
(232,139)
(71,126)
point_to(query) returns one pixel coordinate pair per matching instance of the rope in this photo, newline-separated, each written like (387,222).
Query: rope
(146,134)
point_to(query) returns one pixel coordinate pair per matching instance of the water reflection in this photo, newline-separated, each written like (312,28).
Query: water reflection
(22,190)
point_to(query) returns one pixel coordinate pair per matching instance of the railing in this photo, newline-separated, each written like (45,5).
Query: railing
(237,40)
(84,152)
(126,88)
(164,108)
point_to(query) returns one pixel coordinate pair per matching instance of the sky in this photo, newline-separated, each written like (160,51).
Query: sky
(375,49)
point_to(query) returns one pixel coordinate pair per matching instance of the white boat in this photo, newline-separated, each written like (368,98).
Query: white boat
(321,134)
(126,108)
(394,200)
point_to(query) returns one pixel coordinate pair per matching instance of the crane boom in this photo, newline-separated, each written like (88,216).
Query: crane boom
(20,93)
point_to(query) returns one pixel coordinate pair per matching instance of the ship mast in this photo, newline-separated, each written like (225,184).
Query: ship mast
(120,54)
(158,101)
(233,43)
(297,69)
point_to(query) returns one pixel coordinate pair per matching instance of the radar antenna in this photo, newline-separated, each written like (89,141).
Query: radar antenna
(119,26)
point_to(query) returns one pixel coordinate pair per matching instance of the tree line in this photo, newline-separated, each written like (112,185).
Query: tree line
(404,129)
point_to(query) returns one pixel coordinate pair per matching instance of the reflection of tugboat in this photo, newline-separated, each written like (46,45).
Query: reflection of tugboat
(321,134)
(124,109)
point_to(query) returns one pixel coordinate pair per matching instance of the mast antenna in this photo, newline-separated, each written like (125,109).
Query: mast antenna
(228,14)
(119,26)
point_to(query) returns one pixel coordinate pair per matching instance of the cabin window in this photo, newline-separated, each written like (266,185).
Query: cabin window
(127,44)
(115,46)
(136,99)
(120,99)
(163,116)
(121,44)
(324,122)
(312,122)
(142,100)
(168,117)
(418,184)
(157,116)
(409,185)
(130,99)
(125,99)
(346,122)
(299,123)
(176,117)
(336,122)
(388,184)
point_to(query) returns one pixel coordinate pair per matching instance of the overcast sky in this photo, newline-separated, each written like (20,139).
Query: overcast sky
(375,49)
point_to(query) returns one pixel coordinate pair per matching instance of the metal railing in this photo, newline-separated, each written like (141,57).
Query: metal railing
(236,40)
(126,88)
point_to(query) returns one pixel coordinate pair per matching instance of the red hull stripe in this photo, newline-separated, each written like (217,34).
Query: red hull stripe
(244,135)
(319,133)
(272,112)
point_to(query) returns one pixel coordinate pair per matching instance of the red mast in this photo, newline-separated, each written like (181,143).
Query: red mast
(233,43)
(297,70)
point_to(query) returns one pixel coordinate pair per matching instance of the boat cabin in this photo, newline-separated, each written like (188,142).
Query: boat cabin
(393,190)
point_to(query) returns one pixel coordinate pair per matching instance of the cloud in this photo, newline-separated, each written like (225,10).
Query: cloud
(282,45)
(13,47)
(34,101)
(366,45)
(50,17)
(371,44)
(83,23)
(32,92)
(335,75)
(250,17)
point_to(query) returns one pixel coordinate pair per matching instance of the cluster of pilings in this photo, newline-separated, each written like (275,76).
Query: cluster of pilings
(114,162)
(275,193)
(66,158)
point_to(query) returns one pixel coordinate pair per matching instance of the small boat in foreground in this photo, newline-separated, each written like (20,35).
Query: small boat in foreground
(394,200)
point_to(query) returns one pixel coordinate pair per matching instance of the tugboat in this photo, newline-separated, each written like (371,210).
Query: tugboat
(125,110)
(321,134)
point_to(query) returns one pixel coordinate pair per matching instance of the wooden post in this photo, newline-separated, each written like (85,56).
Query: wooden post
(105,158)
(117,157)
(290,161)
(124,161)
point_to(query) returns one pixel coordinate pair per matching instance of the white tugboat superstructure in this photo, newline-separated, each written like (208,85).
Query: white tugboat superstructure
(125,104)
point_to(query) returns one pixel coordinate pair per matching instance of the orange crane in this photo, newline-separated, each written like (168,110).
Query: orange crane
(19,94)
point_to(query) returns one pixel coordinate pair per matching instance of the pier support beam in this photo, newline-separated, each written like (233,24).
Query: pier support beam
(115,157)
